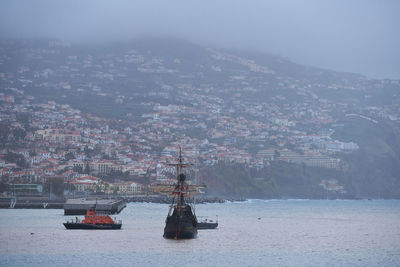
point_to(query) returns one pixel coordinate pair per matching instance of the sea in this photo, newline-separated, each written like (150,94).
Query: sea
(250,233)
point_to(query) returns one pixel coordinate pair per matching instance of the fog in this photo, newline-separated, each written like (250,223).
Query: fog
(357,36)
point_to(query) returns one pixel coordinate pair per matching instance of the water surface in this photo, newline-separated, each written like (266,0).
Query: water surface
(251,233)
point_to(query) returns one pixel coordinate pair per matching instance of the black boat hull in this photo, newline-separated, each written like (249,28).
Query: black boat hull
(182,226)
(181,230)
(205,225)
(86,226)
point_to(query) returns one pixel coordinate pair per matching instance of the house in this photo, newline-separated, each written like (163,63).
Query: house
(85,183)
(135,188)
(122,188)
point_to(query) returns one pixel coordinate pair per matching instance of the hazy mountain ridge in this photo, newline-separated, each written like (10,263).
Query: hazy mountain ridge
(249,102)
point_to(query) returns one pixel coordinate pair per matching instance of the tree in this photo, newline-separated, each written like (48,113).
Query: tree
(87,151)
(4,131)
(16,158)
(4,187)
(87,169)
(19,133)
(23,117)
(69,156)
(77,169)
(54,186)
(23,163)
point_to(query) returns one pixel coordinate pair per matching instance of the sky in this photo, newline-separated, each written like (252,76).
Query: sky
(360,36)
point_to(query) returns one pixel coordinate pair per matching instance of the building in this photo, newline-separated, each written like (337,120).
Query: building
(58,135)
(135,188)
(122,188)
(85,183)
(105,166)
(26,189)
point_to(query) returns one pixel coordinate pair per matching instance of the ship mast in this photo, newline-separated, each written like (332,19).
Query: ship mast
(181,189)
(182,223)
(181,177)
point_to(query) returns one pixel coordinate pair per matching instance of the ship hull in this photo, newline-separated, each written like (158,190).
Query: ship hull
(179,229)
(205,225)
(182,224)
(86,226)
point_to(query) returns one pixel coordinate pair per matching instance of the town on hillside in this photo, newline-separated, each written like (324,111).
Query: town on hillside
(126,151)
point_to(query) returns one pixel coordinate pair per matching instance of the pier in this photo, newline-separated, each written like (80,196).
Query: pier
(30,203)
(81,205)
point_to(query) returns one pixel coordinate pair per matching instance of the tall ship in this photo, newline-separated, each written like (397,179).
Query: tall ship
(181,222)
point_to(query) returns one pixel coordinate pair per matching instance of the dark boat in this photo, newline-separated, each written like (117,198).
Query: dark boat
(94,221)
(207,224)
(181,222)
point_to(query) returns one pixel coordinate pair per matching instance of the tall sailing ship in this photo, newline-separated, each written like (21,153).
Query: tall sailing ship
(181,222)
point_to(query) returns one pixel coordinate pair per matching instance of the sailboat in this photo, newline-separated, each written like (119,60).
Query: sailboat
(181,222)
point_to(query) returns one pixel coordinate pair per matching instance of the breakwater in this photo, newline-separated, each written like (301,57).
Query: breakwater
(163,199)
(30,203)
(78,206)
(81,205)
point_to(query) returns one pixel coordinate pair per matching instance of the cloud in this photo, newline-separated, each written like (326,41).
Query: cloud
(358,36)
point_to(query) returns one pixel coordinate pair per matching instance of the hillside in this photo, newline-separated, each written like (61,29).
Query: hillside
(374,170)
(256,125)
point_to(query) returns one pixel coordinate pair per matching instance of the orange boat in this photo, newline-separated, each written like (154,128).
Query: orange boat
(94,221)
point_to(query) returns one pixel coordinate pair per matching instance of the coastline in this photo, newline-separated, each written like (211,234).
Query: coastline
(46,203)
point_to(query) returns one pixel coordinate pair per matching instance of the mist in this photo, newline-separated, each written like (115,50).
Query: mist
(353,36)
